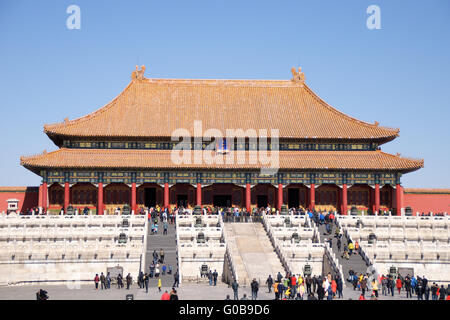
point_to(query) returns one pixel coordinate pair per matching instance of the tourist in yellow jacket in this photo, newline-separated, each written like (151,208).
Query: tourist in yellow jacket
(375,287)
(351,247)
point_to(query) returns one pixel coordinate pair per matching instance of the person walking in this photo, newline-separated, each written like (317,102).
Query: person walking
(235,287)
(442,292)
(108,281)
(320,292)
(103,281)
(215,276)
(275,290)
(391,285)
(176,279)
(408,287)
(141,280)
(398,284)
(146,280)
(119,281)
(210,277)
(375,287)
(281,289)
(161,255)
(308,284)
(159,285)
(255,287)
(165,296)
(363,284)
(279,277)
(339,287)
(351,247)
(96,280)
(129,279)
(173,294)
(269,283)
(384,282)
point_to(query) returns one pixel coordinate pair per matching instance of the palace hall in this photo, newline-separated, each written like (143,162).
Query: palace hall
(121,154)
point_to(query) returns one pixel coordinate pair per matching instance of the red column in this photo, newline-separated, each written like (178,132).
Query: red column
(40,197)
(44,195)
(199,194)
(66,196)
(166,195)
(100,198)
(399,196)
(280,196)
(248,197)
(133,197)
(312,197)
(377,197)
(344,199)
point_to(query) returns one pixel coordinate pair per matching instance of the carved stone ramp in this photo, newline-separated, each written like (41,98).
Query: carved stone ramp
(252,252)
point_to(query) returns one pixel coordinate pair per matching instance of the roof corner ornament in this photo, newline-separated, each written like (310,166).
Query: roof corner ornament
(298,76)
(66,120)
(397,154)
(138,74)
(376,123)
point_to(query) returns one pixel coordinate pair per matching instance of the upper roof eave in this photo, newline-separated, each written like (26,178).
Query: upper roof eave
(68,128)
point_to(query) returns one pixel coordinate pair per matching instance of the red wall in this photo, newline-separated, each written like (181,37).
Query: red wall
(27,196)
(420,200)
(426,200)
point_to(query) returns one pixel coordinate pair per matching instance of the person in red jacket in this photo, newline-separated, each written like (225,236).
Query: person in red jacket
(334,287)
(361,297)
(399,284)
(96,281)
(165,296)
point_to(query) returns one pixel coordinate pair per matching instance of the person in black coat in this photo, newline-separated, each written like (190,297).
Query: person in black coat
(269,283)
(442,293)
(320,292)
(255,287)
(281,289)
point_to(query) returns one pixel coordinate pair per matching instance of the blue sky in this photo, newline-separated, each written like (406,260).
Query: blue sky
(398,76)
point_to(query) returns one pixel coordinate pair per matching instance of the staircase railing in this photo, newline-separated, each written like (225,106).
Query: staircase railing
(144,255)
(334,261)
(280,255)
(228,256)
(180,277)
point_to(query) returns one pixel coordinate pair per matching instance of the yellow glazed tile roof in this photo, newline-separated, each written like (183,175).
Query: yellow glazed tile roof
(161,159)
(156,107)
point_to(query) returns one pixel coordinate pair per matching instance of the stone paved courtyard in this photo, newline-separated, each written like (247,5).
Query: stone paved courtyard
(188,291)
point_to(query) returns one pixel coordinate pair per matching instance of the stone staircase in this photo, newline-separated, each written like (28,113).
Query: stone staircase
(168,244)
(252,252)
(356,262)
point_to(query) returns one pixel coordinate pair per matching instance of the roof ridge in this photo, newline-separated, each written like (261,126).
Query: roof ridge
(89,115)
(190,81)
(342,114)
(421,161)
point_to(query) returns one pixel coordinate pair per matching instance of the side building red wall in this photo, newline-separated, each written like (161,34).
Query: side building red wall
(427,200)
(28,197)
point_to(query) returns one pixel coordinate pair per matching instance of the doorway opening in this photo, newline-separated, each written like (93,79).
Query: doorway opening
(222,200)
(293,198)
(150,197)
(262,201)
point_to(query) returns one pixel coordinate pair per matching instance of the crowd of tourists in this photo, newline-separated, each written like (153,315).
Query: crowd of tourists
(297,287)
(103,282)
